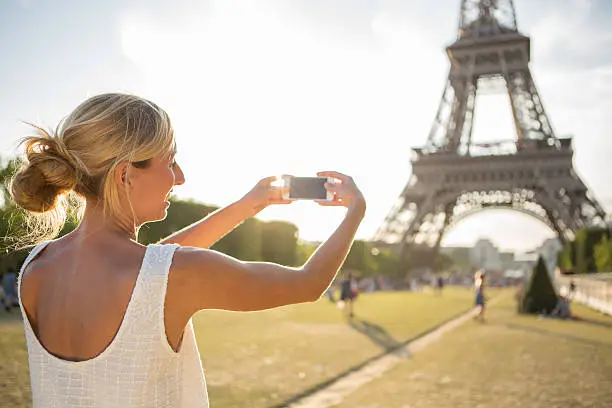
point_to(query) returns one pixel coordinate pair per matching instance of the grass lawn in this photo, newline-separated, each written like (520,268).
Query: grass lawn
(14,374)
(510,361)
(261,359)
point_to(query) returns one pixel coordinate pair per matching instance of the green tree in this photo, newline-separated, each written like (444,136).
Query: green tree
(460,258)
(12,219)
(7,169)
(603,255)
(443,262)
(361,258)
(566,256)
(279,242)
(420,256)
(388,264)
(304,250)
(585,242)
(12,222)
(244,242)
(180,214)
(540,295)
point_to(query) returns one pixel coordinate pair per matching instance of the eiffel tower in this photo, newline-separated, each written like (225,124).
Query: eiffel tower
(453,177)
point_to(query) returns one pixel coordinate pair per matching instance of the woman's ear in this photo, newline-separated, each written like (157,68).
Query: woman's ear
(121,174)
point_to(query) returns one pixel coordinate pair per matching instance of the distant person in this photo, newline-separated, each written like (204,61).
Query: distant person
(479,289)
(562,309)
(440,284)
(330,294)
(9,282)
(108,320)
(572,289)
(415,285)
(348,293)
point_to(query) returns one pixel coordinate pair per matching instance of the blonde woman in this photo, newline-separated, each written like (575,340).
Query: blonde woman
(107,320)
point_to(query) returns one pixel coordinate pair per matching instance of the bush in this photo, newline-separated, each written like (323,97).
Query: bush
(540,296)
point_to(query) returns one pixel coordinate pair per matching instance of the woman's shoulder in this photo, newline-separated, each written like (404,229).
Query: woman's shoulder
(195,263)
(185,257)
(39,260)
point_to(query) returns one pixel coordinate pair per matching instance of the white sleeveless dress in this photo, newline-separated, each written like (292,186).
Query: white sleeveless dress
(138,369)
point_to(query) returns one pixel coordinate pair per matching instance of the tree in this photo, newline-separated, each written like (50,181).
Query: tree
(360,258)
(540,296)
(279,242)
(585,242)
(443,262)
(388,264)
(12,219)
(7,169)
(460,258)
(420,256)
(12,222)
(244,242)
(304,250)
(566,257)
(603,255)
(180,214)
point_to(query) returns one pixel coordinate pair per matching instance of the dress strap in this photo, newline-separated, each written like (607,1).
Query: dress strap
(145,313)
(33,253)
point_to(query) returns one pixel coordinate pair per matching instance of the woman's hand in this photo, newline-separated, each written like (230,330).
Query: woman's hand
(345,192)
(264,194)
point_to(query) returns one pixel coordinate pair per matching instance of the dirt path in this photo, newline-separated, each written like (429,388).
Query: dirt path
(338,390)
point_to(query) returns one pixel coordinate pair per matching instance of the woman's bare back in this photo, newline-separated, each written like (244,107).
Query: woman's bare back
(75,294)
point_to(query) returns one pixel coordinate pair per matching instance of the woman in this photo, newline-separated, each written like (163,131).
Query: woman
(479,286)
(107,320)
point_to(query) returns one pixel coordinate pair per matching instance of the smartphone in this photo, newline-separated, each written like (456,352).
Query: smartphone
(307,188)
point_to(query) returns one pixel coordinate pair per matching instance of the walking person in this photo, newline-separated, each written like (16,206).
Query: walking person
(108,320)
(348,293)
(480,300)
(440,284)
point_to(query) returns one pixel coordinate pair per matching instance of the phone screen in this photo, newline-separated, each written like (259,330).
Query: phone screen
(309,188)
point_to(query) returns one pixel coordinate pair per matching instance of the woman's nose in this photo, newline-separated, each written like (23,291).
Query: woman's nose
(179,176)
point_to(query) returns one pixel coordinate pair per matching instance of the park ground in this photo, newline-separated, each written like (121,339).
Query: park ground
(510,361)
(265,359)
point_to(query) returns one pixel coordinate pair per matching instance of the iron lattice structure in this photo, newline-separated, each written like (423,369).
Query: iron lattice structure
(452,177)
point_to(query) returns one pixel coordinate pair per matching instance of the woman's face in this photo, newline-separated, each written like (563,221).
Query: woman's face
(150,188)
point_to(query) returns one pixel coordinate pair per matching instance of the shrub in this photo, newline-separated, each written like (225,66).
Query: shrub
(539,295)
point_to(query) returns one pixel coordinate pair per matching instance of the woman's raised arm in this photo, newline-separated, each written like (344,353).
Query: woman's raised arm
(204,279)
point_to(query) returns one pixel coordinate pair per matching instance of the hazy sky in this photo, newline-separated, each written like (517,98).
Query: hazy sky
(265,87)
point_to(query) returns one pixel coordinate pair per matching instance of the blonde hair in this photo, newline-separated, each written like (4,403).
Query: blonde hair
(479,276)
(78,159)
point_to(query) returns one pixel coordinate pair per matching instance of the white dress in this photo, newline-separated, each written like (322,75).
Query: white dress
(138,369)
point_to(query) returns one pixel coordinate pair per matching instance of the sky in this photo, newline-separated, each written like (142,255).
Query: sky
(258,88)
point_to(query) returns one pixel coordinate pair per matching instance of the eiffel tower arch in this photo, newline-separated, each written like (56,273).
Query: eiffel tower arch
(453,177)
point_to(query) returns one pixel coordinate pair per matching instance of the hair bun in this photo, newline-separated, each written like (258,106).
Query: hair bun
(48,173)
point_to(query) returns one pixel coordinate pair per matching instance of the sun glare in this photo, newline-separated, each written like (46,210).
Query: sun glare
(256,91)
(278,182)
(272,94)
